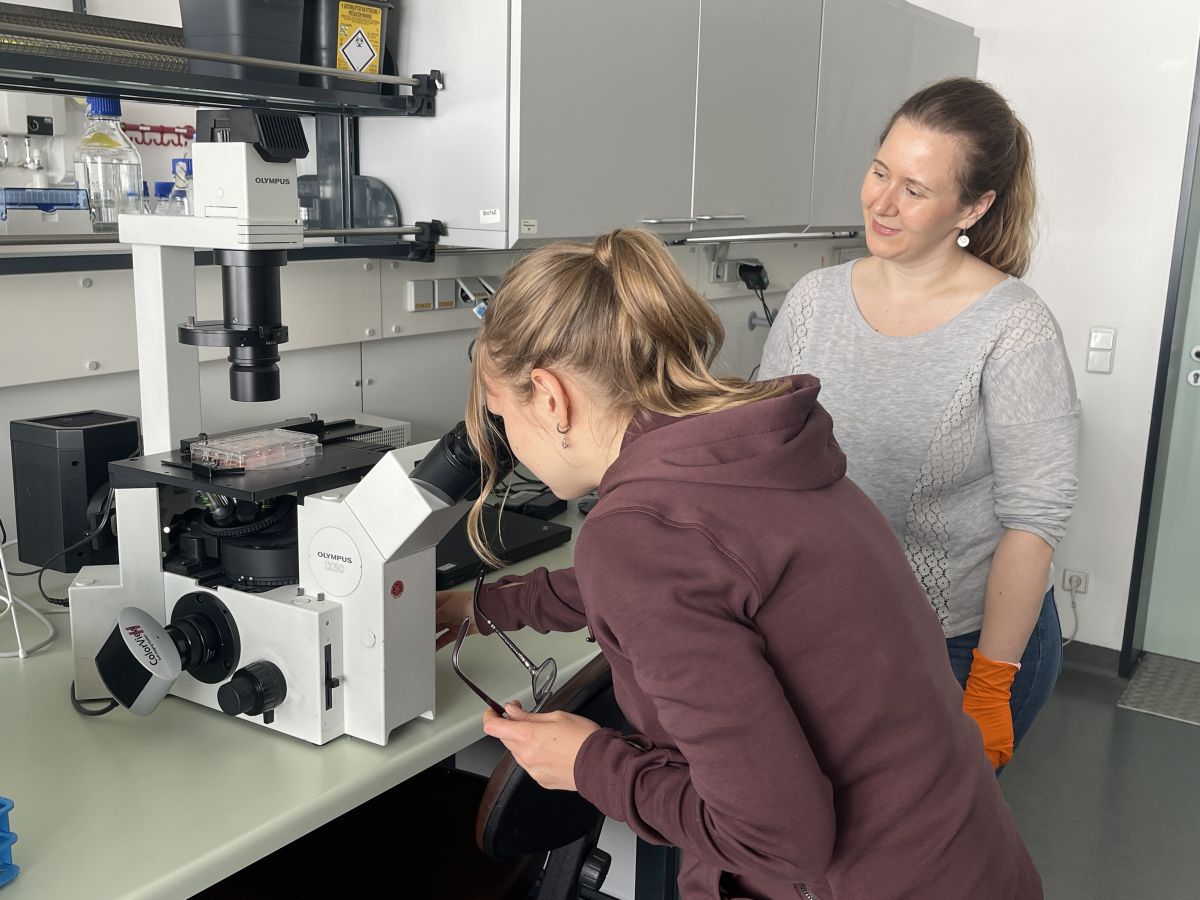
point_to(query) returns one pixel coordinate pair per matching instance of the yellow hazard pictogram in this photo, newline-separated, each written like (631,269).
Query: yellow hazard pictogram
(360,37)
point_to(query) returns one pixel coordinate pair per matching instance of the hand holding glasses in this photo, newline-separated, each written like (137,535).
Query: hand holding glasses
(542,675)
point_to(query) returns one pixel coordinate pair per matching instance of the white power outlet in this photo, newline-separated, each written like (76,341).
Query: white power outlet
(727,272)
(1069,575)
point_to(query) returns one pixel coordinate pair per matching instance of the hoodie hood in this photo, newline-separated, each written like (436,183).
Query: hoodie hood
(784,443)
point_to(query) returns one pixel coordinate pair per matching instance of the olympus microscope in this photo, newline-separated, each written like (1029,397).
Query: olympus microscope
(299,594)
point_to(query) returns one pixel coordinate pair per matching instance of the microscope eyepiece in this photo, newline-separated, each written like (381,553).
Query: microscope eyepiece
(451,470)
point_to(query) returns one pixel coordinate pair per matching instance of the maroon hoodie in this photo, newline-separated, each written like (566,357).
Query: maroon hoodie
(799,731)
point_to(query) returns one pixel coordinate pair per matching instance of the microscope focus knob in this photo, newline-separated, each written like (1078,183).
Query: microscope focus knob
(253,690)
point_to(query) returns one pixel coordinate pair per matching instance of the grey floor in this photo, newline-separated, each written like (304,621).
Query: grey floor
(1107,799)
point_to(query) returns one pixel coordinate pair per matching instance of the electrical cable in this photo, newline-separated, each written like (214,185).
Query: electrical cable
(1074,612)
(85,711)
(766,309)
(105,512)
(4,542)
(11,601)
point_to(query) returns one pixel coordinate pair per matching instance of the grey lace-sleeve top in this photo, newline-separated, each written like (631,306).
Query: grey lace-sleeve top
(957,434)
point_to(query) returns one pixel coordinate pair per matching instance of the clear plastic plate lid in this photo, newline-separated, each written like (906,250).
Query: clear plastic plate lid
(256,449)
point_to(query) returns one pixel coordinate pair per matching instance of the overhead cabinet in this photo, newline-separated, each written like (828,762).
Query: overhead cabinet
(567,118)
(874,55)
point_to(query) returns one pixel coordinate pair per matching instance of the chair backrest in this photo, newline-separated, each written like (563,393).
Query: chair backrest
(517,816)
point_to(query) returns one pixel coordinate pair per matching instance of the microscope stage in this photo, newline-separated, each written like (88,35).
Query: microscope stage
(336,466)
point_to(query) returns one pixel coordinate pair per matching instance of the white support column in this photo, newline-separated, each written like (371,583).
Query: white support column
(164,290)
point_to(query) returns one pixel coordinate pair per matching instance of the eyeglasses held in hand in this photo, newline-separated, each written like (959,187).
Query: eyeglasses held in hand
(542,675)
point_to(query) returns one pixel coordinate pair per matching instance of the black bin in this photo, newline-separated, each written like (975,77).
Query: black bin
(60,468)
(267,29)
(345,34)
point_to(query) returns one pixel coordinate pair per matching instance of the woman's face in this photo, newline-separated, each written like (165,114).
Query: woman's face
(910,199)
(536,444)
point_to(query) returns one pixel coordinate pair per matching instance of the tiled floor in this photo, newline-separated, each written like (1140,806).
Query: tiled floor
(1108,799)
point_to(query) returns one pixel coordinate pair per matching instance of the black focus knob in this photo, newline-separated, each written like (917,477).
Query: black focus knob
(595,869)
(253,690)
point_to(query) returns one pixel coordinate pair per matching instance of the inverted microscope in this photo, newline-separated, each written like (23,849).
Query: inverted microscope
(285,574)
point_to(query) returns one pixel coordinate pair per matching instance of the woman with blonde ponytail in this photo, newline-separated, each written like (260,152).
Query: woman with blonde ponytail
(952,390)
(797,732)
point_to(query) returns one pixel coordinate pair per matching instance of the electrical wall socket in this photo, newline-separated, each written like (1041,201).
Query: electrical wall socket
(1068,574)
(726,272)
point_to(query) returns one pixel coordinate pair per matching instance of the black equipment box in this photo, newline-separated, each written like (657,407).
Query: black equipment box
(60,468)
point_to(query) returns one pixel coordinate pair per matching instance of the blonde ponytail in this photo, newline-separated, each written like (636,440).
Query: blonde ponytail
(618,313)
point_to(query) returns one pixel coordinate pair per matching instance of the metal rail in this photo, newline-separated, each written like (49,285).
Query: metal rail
(33,240)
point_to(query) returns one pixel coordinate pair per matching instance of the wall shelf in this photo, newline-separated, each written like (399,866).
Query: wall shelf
(26,72)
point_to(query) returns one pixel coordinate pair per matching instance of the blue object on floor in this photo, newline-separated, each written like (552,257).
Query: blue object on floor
(8,871)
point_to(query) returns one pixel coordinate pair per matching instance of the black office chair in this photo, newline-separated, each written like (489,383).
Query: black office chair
(447,834)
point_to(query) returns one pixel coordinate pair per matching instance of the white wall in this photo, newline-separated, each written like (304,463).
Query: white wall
(1105,90)
(160,12)
(49,325)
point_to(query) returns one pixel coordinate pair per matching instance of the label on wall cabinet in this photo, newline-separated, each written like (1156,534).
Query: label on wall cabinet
(529,226)
(489,217)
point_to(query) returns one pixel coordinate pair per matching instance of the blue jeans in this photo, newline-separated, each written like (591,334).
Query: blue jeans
(1040,665)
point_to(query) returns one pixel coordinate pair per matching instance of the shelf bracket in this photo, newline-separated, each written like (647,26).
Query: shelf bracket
(421,248)
(423,101)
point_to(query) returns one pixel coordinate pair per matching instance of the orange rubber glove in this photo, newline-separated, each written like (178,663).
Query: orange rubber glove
(986,700)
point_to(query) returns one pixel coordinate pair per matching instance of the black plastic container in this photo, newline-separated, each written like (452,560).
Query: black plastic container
(345,34)
(268,29)
(60,467)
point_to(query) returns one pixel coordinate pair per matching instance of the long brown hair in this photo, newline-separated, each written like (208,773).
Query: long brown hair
(618,313)
(997,156)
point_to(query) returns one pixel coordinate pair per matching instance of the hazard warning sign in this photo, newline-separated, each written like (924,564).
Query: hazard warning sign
(359,37)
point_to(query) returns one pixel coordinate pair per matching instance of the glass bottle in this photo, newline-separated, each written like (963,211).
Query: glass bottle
(181,194)
(108,166)
(162,198)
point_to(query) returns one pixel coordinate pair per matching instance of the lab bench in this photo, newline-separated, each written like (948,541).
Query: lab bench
(163,806)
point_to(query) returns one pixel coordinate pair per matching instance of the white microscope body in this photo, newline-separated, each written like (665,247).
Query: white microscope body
(349,649)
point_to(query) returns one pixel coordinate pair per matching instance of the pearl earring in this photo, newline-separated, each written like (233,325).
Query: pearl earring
(563,432)
(963,240)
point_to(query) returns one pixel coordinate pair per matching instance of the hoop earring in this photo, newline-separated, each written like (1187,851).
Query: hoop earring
(963,239)
(563,431)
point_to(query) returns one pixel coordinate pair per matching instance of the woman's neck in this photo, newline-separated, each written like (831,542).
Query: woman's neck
(921,279)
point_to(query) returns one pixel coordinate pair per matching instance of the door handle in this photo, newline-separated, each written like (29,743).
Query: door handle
(730,218)
(682,220)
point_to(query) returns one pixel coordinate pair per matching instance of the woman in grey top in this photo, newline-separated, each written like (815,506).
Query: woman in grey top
(951,391)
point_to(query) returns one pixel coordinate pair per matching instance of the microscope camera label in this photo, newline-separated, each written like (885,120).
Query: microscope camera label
(142,640)
(335,562)
(272,181)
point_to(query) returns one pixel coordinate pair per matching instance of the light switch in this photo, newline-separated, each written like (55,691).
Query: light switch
(1100,361)
(445,293)
(420,296)
(1102,339)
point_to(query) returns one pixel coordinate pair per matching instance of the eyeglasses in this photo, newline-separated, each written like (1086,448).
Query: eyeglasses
(542,675)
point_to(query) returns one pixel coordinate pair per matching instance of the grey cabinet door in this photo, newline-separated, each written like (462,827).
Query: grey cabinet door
(874,55)
(755,113)
(604,114)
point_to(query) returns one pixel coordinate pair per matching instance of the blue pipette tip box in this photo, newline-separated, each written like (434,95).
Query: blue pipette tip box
(8,871)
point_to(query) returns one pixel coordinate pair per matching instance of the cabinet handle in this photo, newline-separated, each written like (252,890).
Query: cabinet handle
(732,218)
(683,220)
